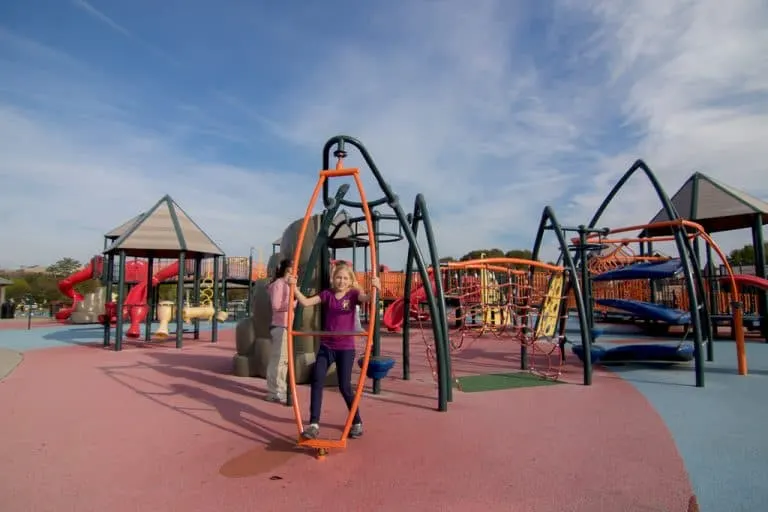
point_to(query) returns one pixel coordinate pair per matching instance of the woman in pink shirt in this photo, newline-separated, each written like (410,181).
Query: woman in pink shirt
(277,367)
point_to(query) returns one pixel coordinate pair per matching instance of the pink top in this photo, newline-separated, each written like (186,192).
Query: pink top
(279,293)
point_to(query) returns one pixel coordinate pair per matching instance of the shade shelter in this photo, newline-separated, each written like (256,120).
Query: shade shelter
(718,207)
(163,231)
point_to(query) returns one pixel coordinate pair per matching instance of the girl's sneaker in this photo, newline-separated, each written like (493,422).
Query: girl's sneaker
(311,432)
(356,431)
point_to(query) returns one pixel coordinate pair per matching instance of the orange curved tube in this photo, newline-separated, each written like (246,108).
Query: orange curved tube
(502,261)
(291,333)
(492,268)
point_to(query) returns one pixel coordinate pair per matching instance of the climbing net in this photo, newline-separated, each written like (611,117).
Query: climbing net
(511,299)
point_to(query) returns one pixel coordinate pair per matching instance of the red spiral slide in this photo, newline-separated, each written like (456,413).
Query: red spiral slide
(67,288)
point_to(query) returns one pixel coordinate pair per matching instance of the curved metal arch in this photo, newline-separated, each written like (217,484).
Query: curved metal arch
(693,279)
(340,141)
(549,221)
(436,307)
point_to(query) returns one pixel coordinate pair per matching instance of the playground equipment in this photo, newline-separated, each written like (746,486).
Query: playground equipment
(164,231)
(682,232)
(90,308)
(205,309)
(323,445)
(134,271)
(164,315)
(520,300)
(318,264)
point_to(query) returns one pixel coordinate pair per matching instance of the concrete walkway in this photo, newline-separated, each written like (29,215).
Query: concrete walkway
(9,359)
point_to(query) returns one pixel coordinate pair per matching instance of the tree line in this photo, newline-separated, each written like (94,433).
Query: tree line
(43,288)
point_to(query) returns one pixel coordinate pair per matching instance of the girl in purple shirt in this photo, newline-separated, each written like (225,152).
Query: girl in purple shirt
(339,308)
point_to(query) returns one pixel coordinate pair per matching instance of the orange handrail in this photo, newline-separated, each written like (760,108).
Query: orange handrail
(325,444)
(503,261)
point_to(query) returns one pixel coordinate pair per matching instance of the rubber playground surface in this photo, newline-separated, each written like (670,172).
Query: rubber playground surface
(156,428)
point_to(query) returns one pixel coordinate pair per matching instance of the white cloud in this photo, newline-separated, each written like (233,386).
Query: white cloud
(469,104)
(693,81)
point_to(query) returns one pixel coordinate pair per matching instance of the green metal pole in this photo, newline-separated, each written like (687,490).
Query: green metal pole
(250,284)
(216,301)
(712,289)
(196,294)
(377,319)
(150,301)
(108,278)
(224,281)
(180,299)
(762,295)
(439,297)
(120,300)
(407,305)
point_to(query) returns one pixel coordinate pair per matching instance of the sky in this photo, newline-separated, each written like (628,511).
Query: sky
(491,109)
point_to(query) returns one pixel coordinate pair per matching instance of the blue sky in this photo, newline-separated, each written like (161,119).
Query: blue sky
(492,109)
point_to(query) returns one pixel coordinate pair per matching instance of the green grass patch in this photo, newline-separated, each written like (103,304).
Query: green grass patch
(496,381)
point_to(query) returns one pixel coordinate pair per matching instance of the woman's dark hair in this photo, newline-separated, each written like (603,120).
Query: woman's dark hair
(282,268)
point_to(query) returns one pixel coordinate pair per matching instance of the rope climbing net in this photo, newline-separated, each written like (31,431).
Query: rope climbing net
(511,299)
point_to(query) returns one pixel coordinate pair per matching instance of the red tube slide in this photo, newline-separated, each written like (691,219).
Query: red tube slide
(67,288)
(136,300)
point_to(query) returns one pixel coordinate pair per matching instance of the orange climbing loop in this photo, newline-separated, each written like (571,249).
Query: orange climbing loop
(323,446)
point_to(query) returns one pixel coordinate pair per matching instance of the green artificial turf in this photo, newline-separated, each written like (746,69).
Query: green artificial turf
(496,381)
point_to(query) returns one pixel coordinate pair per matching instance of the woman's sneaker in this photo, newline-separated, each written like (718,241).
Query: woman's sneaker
(356,431)
(311,432)
(277,399)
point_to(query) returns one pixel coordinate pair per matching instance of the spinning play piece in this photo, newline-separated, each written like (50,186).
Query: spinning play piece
(322,446)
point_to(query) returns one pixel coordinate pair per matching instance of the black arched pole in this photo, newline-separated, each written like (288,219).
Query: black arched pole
(390,199)
(683,248)
(421,215)
(108,278)
(120,302)
(180,299)
(549,222)
(150,295)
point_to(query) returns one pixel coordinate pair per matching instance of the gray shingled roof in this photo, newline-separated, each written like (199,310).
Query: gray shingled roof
(714,205)
(5,282)
(164,231)
(122,228)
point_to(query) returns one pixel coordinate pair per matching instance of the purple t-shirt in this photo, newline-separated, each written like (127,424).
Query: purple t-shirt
(339,316)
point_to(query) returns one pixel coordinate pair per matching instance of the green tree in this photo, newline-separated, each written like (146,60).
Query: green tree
(447,259)
(18,289)
(477,253)
(745,255)
(523,254)
(44,288)
(64,267)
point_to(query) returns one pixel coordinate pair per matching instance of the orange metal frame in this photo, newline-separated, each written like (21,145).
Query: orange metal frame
(323,445)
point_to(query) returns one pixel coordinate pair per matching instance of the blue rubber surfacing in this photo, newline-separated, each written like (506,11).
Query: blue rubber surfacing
(718,429)
(22,340)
